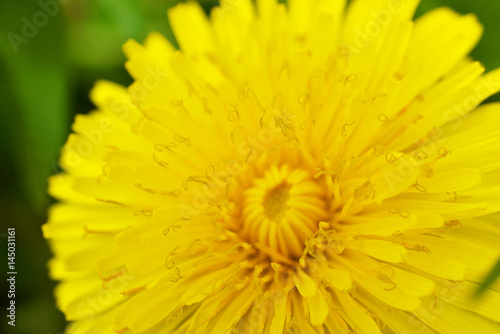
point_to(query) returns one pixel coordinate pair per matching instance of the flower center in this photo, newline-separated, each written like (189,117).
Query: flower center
(275,202)
(281,209)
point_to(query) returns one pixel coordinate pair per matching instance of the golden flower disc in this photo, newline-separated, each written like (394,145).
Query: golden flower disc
(282,208)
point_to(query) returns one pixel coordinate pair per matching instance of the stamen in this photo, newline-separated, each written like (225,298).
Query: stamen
(303,99)
(133,291)
(148,190)
(160,162)
(146,213)
(443,152)
(234,114)
(234,132)
(181,139)
(174,228)
(344,127)
(419,187)
(303,126)
(103,232)
(111,202)
(169,263)
(168,147)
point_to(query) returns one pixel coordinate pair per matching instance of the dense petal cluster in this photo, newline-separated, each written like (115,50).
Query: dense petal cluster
(308,168)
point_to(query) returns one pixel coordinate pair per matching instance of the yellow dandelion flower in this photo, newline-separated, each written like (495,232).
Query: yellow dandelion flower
(304,168)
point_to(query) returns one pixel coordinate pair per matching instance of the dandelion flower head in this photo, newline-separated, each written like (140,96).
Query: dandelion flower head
(314,167)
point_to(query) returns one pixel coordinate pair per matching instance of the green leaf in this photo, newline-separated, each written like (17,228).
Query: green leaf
(490,279)
(98,29)
(36,74)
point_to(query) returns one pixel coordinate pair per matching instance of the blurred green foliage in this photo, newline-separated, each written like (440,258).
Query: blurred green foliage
(47,81)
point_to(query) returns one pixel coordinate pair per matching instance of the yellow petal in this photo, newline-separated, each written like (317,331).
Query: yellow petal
(446,318)
(191,29)
(451,259)
(375,284)
(398,321)
(450,181)
(305,284)
(233,311)
(386,226)
(437,265)
(338,278)
(358,314)
(462,294)
(318,309)
(379,249)
(441,38)
(204,285)
(280,310)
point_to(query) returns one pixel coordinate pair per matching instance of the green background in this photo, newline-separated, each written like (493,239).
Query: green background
(47,82)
